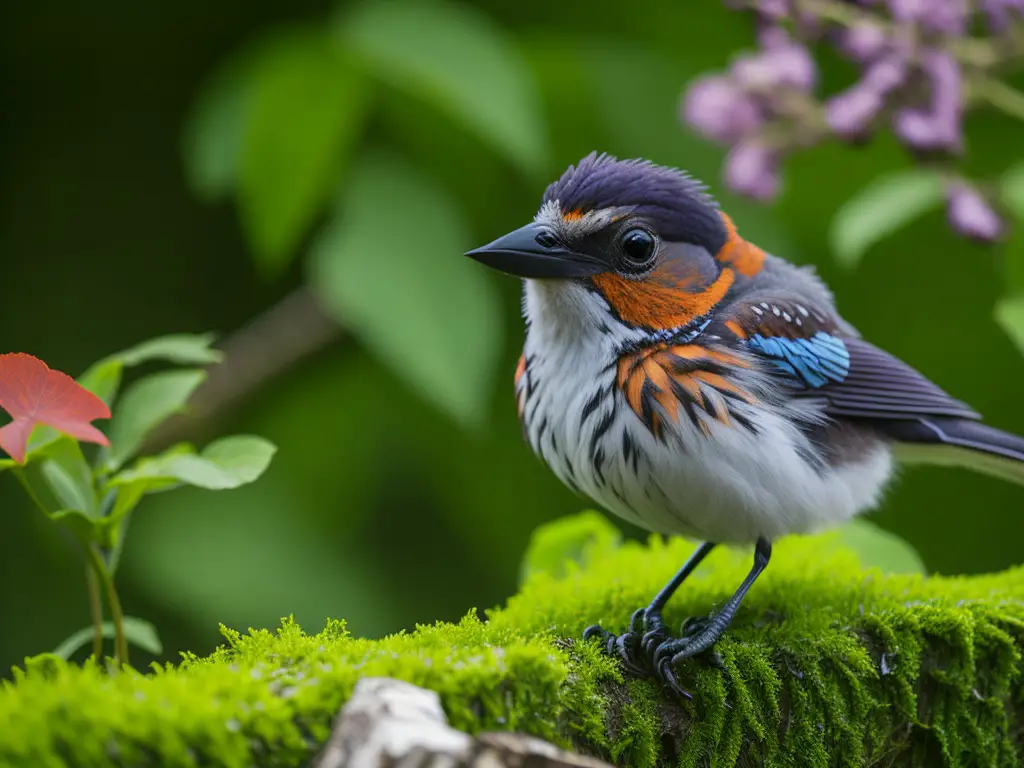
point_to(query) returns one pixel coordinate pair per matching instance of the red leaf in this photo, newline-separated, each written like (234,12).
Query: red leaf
(34,394)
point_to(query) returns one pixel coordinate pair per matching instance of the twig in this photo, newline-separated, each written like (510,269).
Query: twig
(96,609)
(100,570)
(269,345)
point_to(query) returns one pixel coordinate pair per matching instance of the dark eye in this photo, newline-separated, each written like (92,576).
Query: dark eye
(638,245)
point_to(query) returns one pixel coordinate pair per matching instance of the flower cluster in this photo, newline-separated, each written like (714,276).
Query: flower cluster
(919,72)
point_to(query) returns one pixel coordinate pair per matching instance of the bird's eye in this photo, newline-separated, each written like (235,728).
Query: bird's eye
(546,239)
(638,245)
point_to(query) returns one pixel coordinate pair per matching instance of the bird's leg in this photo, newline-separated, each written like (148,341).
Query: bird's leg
(701,635)
(646,627)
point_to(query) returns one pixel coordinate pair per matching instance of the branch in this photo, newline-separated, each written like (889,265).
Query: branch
(271,344)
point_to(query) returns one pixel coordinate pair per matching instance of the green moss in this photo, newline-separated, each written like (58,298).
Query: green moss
(828,663)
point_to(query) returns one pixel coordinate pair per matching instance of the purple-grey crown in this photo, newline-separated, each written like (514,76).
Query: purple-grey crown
(678,205)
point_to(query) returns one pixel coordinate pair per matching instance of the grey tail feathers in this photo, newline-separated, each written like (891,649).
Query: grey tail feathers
(960,443)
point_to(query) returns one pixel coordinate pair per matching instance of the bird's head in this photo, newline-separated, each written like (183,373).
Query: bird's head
(649,240)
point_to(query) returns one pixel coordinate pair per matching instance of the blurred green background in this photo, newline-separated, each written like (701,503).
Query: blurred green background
(192,166)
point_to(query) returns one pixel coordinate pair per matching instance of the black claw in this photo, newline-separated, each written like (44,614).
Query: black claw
(648,650)
(668,678)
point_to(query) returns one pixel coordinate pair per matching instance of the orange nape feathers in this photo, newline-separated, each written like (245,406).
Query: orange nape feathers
(672,377)
(663,300)
(746,258)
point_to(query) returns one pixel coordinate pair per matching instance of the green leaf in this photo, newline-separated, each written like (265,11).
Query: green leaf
(577,539)
(1012,190)
(1009,314)
(308,106)
(138,632)
(178,348)
(876,547)
(145,405)
(69,476)
(880,209)
(428,312)
(87,529)
(104,377)
(226,463)
(455,57)
(212,138)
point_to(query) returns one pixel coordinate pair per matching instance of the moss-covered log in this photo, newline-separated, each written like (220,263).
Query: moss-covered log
(828,663)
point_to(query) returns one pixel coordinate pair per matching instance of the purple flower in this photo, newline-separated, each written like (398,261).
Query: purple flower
(850,113)
(886,75)
(863,42)
(971,215)
(782,63)
(773,10)
(946,17)
(719,110)
(938,127)
(998,12)
(752,169)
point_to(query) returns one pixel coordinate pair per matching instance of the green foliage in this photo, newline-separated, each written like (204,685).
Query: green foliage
(104,377)
(563,545)
(304,117)
(405,290)
(884,206)
(1009,313)
(455,57)
(224,464)
(826,664)
(276,125)
(879,548)
(93,499)
(147,404)
(139,633)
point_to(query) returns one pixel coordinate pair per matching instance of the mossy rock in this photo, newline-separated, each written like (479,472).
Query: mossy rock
(828,663)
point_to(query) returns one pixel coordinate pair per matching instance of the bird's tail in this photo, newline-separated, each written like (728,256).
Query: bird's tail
(959,443)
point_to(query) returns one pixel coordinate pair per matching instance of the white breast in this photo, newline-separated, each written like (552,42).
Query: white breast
(730,487)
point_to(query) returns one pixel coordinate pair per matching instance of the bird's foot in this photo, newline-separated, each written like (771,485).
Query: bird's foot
(648,650)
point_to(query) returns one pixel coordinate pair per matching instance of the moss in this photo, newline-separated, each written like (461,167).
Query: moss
(828,663)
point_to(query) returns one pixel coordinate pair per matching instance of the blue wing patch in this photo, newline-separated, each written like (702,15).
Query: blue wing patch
(822,359)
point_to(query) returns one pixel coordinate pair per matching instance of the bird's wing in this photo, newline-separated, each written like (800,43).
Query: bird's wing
(817,358)
(859,382)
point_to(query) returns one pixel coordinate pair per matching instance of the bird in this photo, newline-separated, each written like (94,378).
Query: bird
(694,384)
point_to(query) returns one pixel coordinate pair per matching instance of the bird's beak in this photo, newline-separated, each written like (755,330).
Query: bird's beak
(520,253)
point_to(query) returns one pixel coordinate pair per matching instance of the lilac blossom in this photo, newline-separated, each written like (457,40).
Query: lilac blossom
(915,76)
(719,110)
(971,214)
(1000,14)
(938,126)
(863,42)
(751,169)
(851,112)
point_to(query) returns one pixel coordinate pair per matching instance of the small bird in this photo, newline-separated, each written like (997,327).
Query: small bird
(693,384)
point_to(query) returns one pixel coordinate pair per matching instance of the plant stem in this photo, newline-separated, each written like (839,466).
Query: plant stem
(19,475)
(1001,96)
(96,609)
(101,571)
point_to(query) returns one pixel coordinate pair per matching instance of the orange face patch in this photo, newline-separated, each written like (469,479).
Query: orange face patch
(661,301)
(746,258)
(573,215)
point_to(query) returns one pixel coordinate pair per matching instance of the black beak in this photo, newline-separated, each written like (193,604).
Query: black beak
(532,251)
